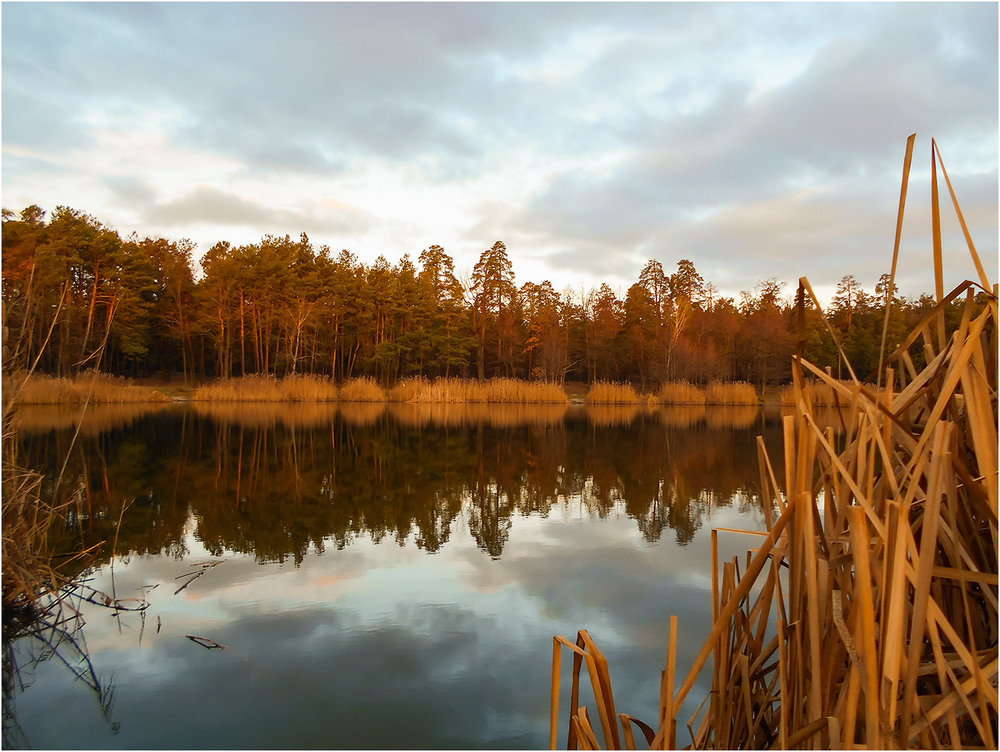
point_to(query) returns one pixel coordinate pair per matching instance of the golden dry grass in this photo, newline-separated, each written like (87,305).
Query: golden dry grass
(867,616)
(90,386)
(612,393)
(731,393)
(30,569)
(293,388)
(364,389)
(680,393)
(496,390)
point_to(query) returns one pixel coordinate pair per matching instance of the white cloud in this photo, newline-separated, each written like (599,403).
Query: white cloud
(588,137)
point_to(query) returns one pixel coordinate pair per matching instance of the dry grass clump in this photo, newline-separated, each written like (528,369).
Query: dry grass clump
(240,389)
(92,386)
(680,393)
(732,393)
(364,389)
(512,391)
(497,390)
(410,389)
(612,393)
(867,616)
(308,388)
(267,388)
(29,571)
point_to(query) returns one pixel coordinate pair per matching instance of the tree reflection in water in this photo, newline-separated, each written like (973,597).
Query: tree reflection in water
(276,481)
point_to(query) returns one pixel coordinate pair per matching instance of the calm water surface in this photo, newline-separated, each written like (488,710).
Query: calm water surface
(385,577)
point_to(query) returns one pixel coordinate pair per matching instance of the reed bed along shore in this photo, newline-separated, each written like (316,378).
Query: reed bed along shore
(292,388)
(866,617)
(90,386)
(613,393)
(497,390)
(681,393)
(817,393)
(674,393)
(365,389)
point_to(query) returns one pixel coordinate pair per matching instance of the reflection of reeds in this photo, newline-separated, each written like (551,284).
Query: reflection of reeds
(92,421)
(714,416)
(498,415)
(681,416)
(612,415)
(92,386)
(361,413)
(612,393)
(731,416)
(867,617)
(268,414)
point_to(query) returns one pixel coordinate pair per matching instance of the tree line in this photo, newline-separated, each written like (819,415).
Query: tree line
(77,295)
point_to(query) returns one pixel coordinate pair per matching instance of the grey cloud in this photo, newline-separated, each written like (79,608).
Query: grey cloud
(131,191)
(207,205)
(324,89)
(829,127)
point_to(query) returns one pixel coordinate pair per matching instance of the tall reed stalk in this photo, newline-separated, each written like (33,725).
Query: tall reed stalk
(867,617)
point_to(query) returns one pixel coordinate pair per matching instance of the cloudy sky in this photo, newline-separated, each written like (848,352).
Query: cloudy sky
(757,140)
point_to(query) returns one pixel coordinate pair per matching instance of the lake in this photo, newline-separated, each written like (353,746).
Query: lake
(369,576)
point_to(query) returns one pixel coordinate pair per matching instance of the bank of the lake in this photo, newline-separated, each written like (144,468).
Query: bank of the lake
(92,387)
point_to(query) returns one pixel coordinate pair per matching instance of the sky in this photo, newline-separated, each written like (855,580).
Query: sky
(757,140)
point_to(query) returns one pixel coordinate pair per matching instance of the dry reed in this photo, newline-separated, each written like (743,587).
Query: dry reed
(612,393)
(259,388)
(815,392)
(363,389)
(867,617)
(731,393)
(90,386)
(497,390)
(680,393)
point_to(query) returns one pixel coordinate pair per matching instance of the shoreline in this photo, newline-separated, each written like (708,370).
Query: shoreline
(152,389)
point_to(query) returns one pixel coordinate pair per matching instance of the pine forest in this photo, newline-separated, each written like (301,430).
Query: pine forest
(78,296)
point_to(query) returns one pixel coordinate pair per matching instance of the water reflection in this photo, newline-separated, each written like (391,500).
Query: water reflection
(456,543)
(277,481)
(92,419)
